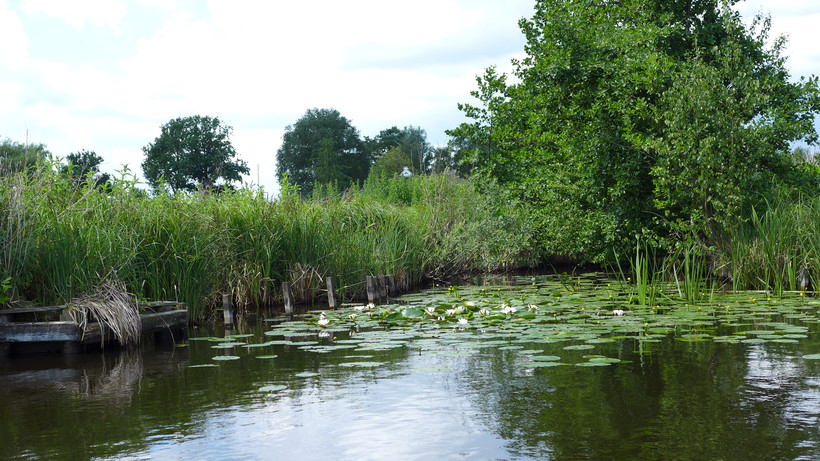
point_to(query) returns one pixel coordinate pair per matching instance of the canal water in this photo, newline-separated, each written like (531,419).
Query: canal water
(542,370)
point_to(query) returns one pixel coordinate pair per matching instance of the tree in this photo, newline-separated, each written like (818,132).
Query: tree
(15,156)
(638,118)
(83,165)
(193,153)
(380,144)
(391,163)
(322,147)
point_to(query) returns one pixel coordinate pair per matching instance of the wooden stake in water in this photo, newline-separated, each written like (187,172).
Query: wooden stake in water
(288,295)
(227,308)
(383,288)
(331,294)
(371,289)
(391,285)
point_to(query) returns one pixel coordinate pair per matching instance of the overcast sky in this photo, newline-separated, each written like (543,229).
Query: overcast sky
(103,75)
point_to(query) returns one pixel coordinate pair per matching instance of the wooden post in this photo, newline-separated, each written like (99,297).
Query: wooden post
(383,288)
(371,289)
(391,285)
(804,279)
(288,295)
(227,308)
(331,294)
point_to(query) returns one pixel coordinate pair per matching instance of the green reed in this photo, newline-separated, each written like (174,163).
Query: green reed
(59,240)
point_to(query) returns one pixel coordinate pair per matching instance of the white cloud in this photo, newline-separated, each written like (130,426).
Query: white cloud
(13,39)
(99,13)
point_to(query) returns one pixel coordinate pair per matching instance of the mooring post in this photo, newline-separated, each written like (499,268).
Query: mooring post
(383,288)
(391,285)
(331,293)
(371,289)
(804,279)
(288,295)
(227,308)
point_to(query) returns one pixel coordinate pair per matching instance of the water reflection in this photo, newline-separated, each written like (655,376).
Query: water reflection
(443,396)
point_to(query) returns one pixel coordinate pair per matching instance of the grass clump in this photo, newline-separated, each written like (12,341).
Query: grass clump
(60,239)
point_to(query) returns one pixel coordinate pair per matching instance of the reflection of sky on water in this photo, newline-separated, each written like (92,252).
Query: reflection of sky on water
(782,381)
(408,416)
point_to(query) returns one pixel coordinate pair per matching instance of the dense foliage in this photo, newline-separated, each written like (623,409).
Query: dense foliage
(192,153)
(669,120)
(321,147)
(58,240)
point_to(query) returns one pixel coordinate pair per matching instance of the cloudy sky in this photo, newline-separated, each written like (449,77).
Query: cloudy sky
(104,75)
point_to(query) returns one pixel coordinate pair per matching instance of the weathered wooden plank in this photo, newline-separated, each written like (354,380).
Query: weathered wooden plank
(372,291)
(150,323)
(21,332)
(28,310)
(331,294)
(287,294)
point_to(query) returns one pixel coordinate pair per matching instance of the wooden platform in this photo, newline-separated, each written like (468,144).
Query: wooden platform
(31,326)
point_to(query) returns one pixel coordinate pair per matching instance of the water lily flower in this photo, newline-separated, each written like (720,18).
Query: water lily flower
(352,316)
(469,303)
(458,310)
(483,312)
(370,306)
(359,308)
(507,309)
(532,307)
(323,322)
(463,321)
(618,312)
(324,334)
(450,312)
(431,311)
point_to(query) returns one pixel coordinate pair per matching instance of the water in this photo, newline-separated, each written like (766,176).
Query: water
(429,391)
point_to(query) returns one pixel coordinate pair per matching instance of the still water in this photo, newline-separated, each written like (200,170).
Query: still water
(737,379)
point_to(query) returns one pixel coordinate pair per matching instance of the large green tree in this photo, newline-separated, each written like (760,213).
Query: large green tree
(84,165)
(322,147)
(639,117)
(15,156)
(193,153)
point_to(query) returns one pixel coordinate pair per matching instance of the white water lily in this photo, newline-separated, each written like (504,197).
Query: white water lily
(483,312)
(359,308)
(323,322)
(459,310)
(463,321)
(469,303)
(507,309)
(324,334)
(431,311)
(450,312)
(370,306)
(532,307)
(618,312)
(352,316)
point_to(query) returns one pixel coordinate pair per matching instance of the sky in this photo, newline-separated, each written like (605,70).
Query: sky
(105,75)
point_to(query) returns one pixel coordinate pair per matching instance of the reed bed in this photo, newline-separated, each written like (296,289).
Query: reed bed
(59,240)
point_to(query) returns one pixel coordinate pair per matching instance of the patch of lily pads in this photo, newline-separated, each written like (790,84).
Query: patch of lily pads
(529,322)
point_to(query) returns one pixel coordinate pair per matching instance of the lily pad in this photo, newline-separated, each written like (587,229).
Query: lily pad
(579,347)
(273,388)
(306,374)
(225,357)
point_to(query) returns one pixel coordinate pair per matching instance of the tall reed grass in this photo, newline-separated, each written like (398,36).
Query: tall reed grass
(59,241)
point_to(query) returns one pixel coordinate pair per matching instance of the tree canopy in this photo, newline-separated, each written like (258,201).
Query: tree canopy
(193,153)
(322,147)
(639,118)
(15,156)
(83,165)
